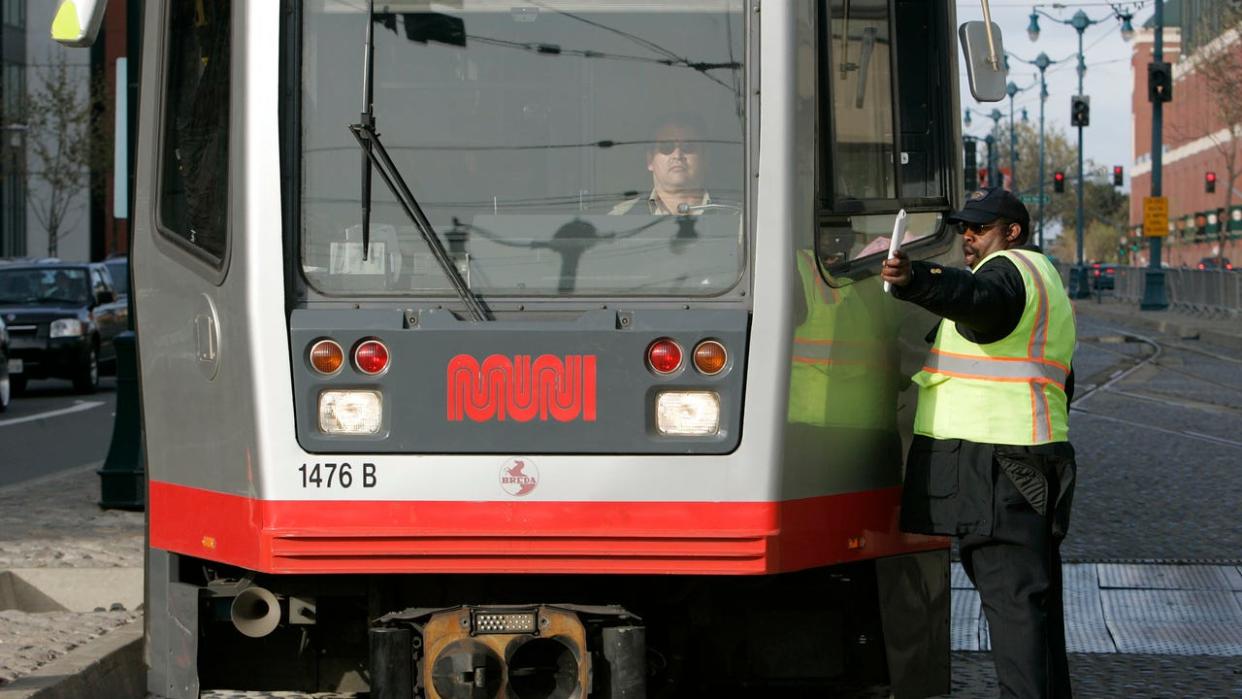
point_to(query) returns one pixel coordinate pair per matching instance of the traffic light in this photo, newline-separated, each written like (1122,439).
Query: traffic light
(1117,175)
(1058,182)
(1080,110)
(1209,182)
(972,159)
(1159,82)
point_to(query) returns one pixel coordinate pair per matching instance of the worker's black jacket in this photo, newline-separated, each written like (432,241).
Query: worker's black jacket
(950,484)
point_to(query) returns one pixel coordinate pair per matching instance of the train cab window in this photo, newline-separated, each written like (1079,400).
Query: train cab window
(559,148)
(193,203)
(883,126)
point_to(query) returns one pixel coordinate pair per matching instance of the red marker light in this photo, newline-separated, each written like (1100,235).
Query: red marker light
(664,356)
(371,357)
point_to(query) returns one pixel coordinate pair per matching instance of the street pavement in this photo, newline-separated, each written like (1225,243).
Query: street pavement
(49,428)
(1157,425)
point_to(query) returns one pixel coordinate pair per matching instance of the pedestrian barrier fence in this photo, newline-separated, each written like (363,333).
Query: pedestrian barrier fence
(1201,291)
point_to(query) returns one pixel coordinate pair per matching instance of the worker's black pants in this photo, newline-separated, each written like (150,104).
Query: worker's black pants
(1017,571)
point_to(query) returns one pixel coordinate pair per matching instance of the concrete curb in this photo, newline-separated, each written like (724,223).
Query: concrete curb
(110,666)
(1182,327)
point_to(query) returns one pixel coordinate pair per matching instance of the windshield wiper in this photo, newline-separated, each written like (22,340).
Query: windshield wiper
(374,154)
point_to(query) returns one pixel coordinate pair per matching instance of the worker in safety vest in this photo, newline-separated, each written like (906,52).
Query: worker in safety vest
(991,462)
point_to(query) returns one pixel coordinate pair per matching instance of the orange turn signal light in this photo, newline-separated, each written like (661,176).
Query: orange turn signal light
(710,357)
(326,357)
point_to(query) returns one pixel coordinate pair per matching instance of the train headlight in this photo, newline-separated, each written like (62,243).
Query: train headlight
(350,412)
(688,413)
(67,327)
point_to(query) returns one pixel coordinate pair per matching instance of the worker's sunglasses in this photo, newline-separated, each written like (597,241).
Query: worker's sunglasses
(977,229)
(667,147)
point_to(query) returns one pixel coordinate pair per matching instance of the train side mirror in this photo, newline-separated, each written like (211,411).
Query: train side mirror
(77,22)
(985,61)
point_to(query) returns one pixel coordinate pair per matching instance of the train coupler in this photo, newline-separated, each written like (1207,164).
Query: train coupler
(511,651)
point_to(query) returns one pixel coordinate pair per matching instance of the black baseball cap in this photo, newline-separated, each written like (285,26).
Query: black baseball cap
(988,204)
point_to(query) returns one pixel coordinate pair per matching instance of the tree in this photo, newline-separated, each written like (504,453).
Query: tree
(64,143)
(1101,201)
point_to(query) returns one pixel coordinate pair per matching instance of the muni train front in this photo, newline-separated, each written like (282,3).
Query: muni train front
(536,349)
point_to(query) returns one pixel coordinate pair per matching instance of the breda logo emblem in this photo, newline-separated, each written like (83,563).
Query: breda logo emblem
(521,388)
(519,476)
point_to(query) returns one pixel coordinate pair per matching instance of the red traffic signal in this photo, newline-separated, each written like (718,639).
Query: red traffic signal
(1209,182)
(1058,181)
(1117,175)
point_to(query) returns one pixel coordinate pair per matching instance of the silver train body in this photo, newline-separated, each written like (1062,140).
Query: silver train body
(763,558)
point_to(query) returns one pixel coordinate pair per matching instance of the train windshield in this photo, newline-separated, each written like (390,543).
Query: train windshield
(558,148)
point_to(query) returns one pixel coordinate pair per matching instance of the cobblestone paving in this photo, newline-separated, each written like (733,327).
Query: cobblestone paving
(1147,494)
(29,641)
(55,523)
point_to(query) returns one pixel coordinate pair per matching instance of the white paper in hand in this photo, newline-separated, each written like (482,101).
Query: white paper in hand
(899,233)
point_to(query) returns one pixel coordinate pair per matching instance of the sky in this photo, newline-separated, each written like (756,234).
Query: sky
(1109,80)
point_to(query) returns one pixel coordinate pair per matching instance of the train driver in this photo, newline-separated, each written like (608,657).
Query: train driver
(991,461)
(677,163)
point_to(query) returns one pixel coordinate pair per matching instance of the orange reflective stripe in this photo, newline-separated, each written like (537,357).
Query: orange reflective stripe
(1037,346)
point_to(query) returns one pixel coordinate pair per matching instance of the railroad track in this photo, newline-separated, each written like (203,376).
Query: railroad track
(1109,380)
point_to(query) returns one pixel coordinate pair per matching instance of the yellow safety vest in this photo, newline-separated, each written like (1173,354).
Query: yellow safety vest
(1011,391)
(844,369)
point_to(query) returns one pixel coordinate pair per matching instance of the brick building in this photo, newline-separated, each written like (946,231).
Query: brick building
(1195,136)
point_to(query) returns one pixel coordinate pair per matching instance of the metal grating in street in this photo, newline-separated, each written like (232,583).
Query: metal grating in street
(1169,577)
(1085,628)
(1174,622)
(1131,608)
(964,627)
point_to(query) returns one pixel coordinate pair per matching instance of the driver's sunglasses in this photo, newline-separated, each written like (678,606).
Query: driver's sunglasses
(667,147)
(977,229)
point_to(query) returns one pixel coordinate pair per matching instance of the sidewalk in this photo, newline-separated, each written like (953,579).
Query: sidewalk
(1221,331)
(70,574)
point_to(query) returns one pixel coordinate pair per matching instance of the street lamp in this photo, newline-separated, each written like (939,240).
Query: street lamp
(1079,280)
(1041,62)
(1012,89)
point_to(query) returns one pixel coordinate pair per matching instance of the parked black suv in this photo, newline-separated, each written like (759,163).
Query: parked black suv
(61,318)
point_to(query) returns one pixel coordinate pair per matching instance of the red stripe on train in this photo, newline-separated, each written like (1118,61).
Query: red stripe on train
(298,536)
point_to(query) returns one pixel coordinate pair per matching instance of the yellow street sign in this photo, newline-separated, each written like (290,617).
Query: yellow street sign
(1155,217)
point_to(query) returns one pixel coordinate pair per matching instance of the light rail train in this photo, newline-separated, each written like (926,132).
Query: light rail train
(442,397)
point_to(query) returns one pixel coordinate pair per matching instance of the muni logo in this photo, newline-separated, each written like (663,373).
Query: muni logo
(521,388)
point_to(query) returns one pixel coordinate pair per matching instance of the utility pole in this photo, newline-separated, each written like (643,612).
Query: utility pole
(1155,297)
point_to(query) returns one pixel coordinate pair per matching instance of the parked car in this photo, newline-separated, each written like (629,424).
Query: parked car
(6,385)
(61,319)
(1215,263)
(1104,275)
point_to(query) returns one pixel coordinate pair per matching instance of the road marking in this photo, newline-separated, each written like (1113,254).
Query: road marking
(84,405)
